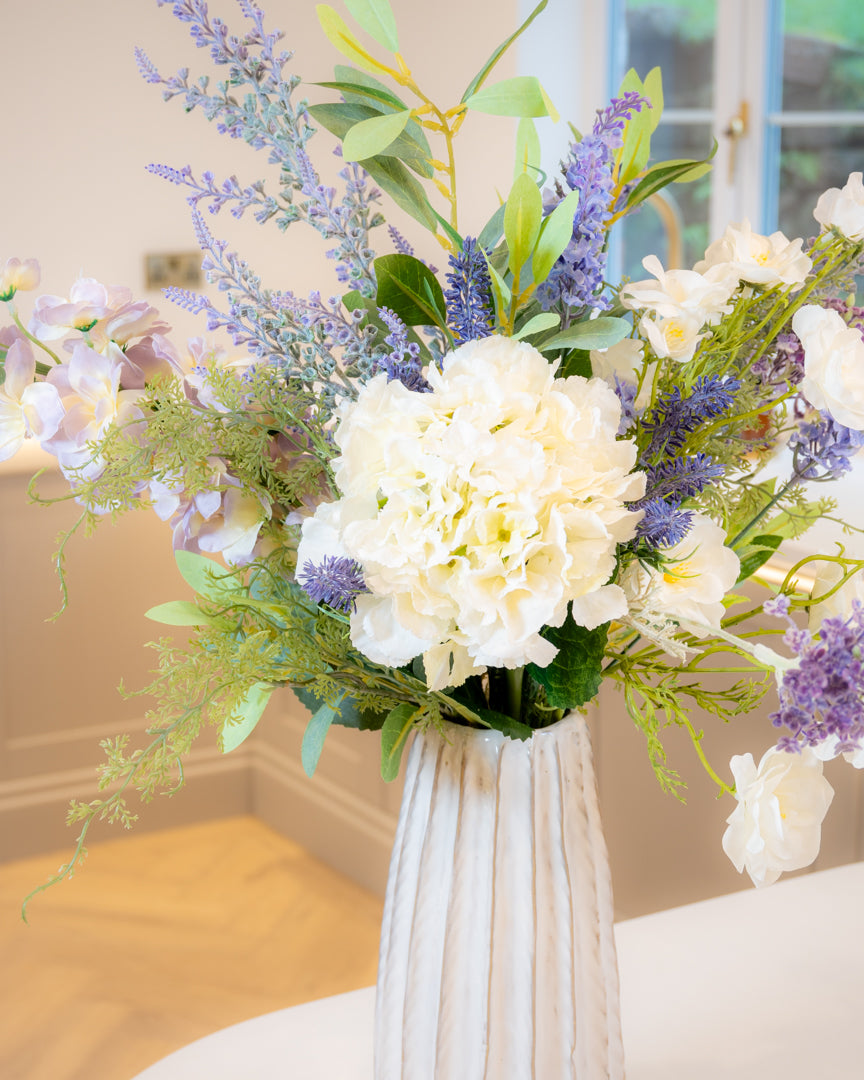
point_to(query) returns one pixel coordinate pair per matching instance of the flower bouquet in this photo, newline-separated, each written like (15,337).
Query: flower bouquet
(456,502)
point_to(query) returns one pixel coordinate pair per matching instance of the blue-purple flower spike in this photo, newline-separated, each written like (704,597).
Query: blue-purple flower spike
(663,524)
(469,304)
(336,581)
(823,449)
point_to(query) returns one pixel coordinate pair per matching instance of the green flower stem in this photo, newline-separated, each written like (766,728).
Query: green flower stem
(515,677)
(696,739)
(42,369)
(748,528)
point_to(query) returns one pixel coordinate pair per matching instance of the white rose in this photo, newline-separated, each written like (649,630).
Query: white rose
(759,260)
(843,208)
(696,574)
(680,293)
(833,364)
(674,338)
(777,824)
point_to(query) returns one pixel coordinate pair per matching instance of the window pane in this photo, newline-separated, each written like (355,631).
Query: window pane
(649,231)
(679,38)
(823,55)
(811,160)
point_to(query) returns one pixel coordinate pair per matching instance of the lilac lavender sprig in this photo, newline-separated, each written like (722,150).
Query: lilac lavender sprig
(268,118)
(336,581)
(577,279)
(469,298)
(822,449)
(402,363)
(823,696)
(675,416)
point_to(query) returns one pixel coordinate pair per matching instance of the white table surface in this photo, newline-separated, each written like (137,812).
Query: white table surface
(759,985)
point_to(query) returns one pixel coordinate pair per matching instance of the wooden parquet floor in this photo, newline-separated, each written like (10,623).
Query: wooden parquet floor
(164,937)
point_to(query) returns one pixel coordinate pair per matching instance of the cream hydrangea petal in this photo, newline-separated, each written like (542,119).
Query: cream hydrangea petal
(378,634)
(603,605)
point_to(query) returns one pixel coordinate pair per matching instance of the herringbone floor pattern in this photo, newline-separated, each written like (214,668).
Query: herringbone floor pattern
(165,937)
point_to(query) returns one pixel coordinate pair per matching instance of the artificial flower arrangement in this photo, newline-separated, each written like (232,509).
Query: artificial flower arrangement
(468,496)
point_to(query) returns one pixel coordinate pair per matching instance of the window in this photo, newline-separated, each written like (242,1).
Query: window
(779,85)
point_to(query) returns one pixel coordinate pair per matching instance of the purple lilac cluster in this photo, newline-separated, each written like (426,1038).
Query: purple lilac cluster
(469,298)
(822,449)
(577,278)
(268,118)
(336,581)
(823,697)
(403,361)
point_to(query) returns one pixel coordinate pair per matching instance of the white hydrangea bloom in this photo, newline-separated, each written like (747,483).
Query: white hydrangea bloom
(756,259)
(833,364)
(777,824)
(479,511)
(843,208)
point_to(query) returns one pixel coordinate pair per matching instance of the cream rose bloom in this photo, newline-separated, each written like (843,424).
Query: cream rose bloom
(843,208)
(680,294)
(833,364)
(777,824)
(756,259)
(674,338)
(480,511)
(697,573)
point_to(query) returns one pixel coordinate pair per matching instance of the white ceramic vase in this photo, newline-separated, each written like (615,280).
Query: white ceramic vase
(497,953)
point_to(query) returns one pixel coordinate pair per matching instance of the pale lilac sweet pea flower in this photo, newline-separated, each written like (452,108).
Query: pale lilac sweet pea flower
(89,386)
(18,274)
(28,409)
(222,519)
(88,302)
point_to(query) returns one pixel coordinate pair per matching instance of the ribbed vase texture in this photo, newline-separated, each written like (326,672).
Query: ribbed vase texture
(497,953)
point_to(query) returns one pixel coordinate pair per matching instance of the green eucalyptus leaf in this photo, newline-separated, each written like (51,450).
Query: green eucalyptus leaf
(653,88)
(401,287)
(493,230)
(314,736)
(450,231)
(522,218)
(574,676)
(207,577)
(377,19)
(662,174)
(359,93)
(341,38)
(410,146)
(520,96)
(537,324)
(350,713)
(527,148)
(373,136)
(500,290)
(407,192)
(556,234)
(178,613)
(481,75)
(394,735)
(590,334)
(636,149)
(243,722)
